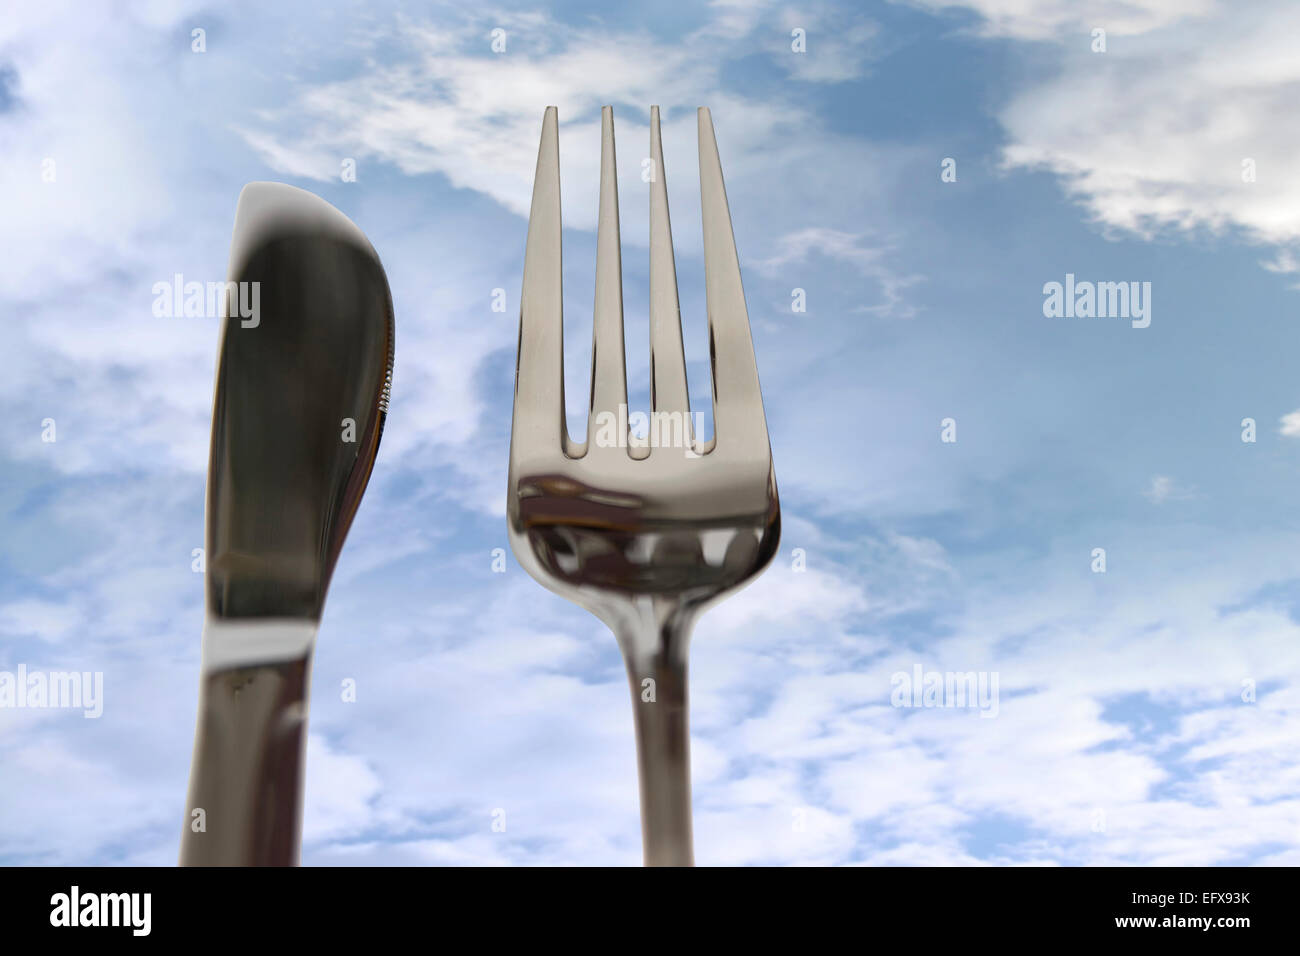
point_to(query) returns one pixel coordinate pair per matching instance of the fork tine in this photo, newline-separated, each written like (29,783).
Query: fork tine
(608,375)
(539,369)
(738,420)
(668,392)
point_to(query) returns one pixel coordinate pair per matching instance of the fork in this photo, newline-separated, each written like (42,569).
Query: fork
(643,532)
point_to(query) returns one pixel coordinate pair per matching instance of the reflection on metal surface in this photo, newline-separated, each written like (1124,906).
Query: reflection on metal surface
(301,396)
(283,484)
(645,539)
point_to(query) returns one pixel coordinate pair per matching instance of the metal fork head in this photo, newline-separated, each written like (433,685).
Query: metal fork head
(609,521)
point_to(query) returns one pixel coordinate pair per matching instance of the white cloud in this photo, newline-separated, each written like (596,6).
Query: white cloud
(342,787)
(837,44)
(98,139)
(452,107)
(47,620)
(1164,488)
(1284,261)
(1175,126)
(873,260)
(1066,19)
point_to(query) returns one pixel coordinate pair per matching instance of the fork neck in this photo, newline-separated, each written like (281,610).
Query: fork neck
(651,629)
(654,647)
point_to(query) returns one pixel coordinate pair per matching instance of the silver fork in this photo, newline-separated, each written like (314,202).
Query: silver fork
(644,533)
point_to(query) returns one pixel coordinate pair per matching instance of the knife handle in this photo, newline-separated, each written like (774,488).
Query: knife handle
(247,772)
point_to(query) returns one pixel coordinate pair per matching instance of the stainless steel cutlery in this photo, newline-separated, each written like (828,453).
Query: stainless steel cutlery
(301,395)
(643,532)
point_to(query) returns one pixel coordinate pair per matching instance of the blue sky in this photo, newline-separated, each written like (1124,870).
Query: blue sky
(1121,735)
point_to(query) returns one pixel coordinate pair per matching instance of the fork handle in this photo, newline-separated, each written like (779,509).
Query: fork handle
(663,746)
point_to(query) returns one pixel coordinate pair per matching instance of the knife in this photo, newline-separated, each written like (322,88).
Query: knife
(302,387)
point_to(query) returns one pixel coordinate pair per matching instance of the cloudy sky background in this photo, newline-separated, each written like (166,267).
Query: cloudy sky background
(1121,736)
